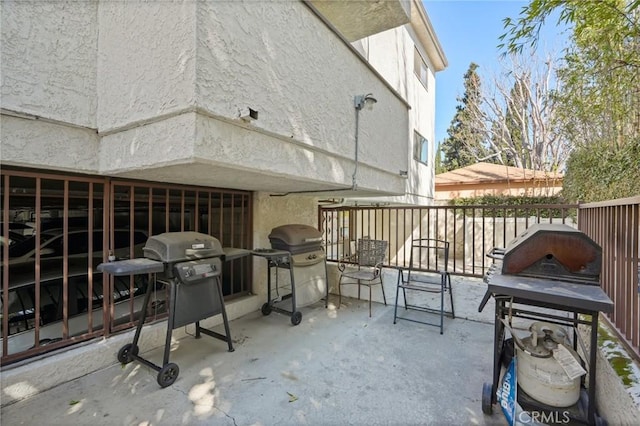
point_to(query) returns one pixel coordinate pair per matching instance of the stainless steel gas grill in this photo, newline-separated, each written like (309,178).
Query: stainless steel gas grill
(190,263)
(297,248)
(556,268)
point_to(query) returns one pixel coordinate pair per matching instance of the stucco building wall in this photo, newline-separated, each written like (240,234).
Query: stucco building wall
(49,57)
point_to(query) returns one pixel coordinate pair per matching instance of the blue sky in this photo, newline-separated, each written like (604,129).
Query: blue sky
(468,32)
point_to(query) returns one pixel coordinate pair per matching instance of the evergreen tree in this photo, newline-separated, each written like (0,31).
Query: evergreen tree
(464,144)
(516,123)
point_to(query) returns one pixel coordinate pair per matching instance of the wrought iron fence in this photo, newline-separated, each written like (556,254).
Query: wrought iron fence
(56,228)
(615,226)
(472,231)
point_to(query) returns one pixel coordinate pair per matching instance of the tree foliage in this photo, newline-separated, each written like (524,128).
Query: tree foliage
(598,108)
(510,122)
(464,144)
(513,206)
(601,173)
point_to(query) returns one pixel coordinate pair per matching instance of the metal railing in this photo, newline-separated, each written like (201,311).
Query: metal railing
(56,229)
(472,231)
(615,226)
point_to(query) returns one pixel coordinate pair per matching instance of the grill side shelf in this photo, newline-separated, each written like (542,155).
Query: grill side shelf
(131,267)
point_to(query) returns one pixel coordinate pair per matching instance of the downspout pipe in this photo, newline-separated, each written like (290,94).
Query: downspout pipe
(359,102)
(354,184)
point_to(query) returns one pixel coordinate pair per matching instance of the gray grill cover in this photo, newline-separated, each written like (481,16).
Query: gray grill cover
(180,246)
(296,238)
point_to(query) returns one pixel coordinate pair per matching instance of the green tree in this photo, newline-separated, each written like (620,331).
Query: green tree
(464,144)
(598,110)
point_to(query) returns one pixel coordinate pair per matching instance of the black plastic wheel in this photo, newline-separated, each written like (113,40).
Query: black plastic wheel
(266,309)
(296,318)
(125,352)
(487,406)
(168,374)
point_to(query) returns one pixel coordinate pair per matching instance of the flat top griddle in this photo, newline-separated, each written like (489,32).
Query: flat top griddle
(562,293)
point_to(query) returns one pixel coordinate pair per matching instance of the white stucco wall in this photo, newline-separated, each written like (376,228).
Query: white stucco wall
(392,55)
(138,73)
(40,144)
(300,77)
(48,65)
(146,62)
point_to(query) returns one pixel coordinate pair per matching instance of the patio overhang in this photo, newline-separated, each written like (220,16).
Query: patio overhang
(359,19)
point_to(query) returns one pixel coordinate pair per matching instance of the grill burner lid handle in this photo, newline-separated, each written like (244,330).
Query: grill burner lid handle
(201,252)
(312,240)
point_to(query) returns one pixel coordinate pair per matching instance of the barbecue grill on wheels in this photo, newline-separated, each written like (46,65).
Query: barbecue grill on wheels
(190,264)
(555,267)
(298,249)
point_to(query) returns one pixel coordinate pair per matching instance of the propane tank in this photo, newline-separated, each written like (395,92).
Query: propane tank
(540,375)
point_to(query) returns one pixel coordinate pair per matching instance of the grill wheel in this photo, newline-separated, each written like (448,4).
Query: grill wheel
(168,374)
(296,318)
(127,352)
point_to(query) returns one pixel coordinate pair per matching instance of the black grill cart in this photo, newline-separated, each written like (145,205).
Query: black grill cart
(190,264)
(556,268)
(299,249)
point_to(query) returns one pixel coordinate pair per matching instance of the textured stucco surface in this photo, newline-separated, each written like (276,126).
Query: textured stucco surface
(225,153)
(163,98)
(392,53)
(358,19)
(614,403)
(146,62)
(155,145)
(300,77)
(33,143)
(48,62)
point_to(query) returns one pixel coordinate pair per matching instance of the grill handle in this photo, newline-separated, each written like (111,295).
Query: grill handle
(497,253)
(308,259)
(203,252)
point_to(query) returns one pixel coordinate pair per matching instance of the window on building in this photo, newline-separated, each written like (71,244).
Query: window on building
(420,148)
(420,68)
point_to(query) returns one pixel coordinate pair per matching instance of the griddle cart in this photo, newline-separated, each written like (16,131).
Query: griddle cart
(556,268)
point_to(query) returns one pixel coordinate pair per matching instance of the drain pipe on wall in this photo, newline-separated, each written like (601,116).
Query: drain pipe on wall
(359,102)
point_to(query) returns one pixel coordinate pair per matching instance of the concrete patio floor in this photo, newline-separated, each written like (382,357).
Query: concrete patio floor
(337,367)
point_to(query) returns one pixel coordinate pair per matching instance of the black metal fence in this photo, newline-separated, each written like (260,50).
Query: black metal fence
(472,231)
(615,226)
(56,228)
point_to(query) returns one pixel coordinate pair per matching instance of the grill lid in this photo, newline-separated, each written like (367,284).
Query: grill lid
(295,238)
(179,246)
(555,251)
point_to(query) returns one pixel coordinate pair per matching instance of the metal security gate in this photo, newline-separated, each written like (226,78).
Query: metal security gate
(56,228)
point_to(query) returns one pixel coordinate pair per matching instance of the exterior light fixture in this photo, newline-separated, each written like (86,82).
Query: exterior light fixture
(360,101)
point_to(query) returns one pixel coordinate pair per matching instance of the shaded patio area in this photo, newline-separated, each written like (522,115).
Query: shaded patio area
(337,367)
